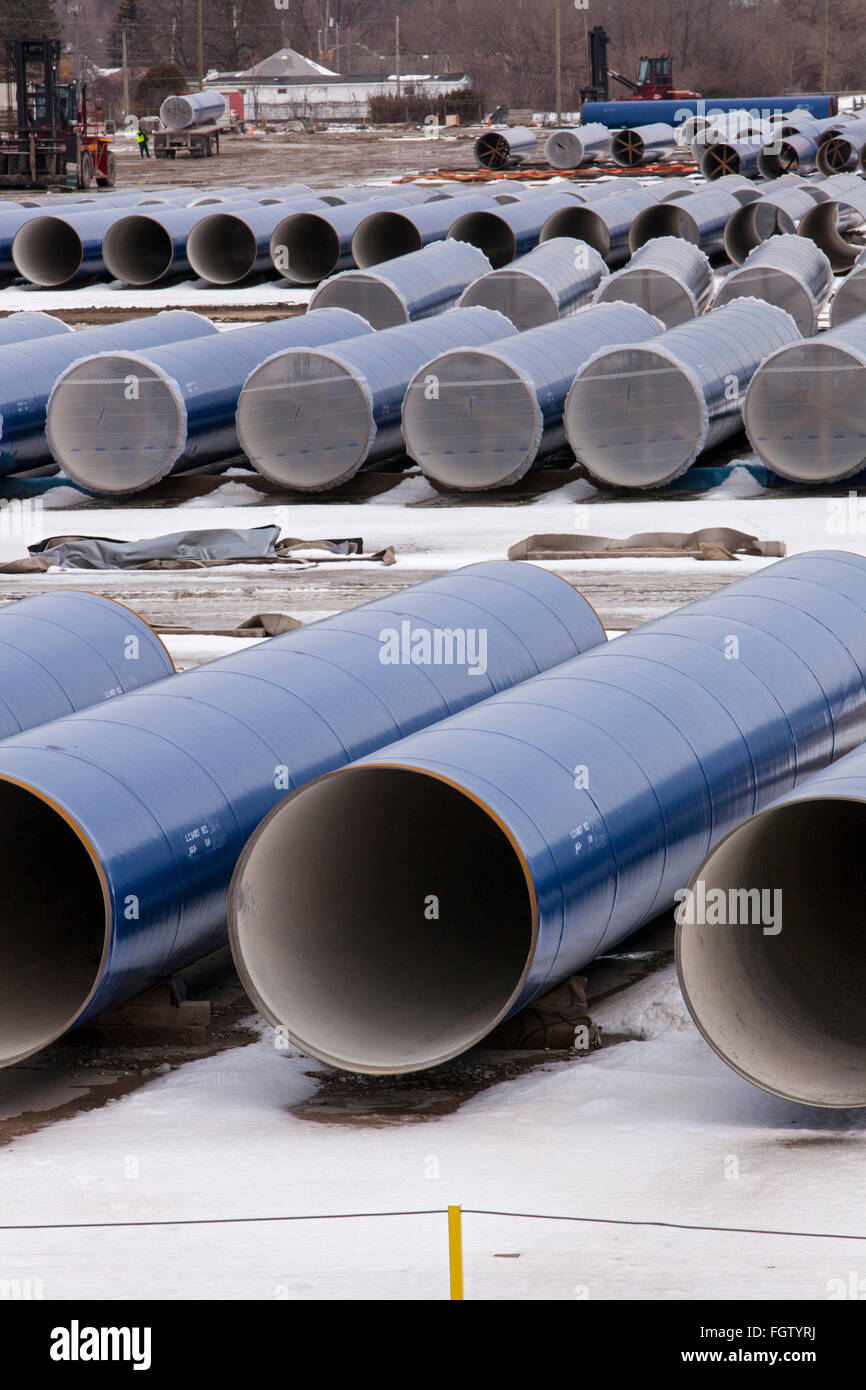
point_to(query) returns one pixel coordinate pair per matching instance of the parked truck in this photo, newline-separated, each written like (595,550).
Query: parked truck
(190,124)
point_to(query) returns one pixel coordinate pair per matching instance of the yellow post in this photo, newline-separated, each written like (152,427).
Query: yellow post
(455,1252)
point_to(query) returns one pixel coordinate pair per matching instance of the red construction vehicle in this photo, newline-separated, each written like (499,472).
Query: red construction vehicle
(655,76)
(49,138)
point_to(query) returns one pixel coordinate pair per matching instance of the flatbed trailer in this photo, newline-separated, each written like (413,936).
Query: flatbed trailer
(199,142)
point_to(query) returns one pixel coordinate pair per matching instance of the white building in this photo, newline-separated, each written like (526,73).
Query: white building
(287,84)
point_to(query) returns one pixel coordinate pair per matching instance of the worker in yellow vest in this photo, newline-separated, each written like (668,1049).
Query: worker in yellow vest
(143,147)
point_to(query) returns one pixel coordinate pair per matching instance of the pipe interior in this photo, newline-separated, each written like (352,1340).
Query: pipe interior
(47,251)
(837,228)
(331,920)
(633,417)
(384,236)
(522,298)
(492,150)
(141,424)
(787,1008)
(305,420)
(222,249)
(662,220)
(375,301)
(53,927)
(804,412)
(138,250)
(305,248)
(581,223)
(654,290)
(489,233)
(481,426)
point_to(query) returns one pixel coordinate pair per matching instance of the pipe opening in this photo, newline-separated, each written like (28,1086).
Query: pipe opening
(581,223)
(47,251)
(305,420)
(333,925)
(138,250)
(520,297)
(383,237)
(627,148)
(492,150)
(783,1000)
(54,924)
(141,423)
(481,428)
(804,412)
(654,290)
(634,418)
(837,228)
(222,249)
(662,220)
(489,233)
(305,248)
(375,301)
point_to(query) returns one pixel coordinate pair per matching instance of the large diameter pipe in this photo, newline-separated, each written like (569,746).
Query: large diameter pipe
(344,402)
(512,192)
(731,157)
(700,218)
(837,226)
(29,370)
(143,810)
(11,222)
(743,189)
(768,943)
(771,215)
(849,300)
(229,246)
(644,144)
(170,409)
(192,109)
(21,326)
(570,148)
(497,411)
(510,230)
(544,826)
(52,251)
(409,287)
(788,271)
(669,277)
(307,247)
(145,246)
(842,150)
(503,149)
(68,651)
(805,410)
(603,224)
(793,154)
(677,109)
(638,417)
(389,233)
(553,281)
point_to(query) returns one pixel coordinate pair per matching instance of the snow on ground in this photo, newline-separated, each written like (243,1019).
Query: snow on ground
(650,1130)
(191,294)
(443,537)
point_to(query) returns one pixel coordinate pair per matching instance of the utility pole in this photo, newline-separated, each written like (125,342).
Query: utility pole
(200,49)
(397,50)
(824,57)
(124,24)
(558,45)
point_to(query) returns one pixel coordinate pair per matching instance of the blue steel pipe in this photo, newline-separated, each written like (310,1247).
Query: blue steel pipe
(675,110)
(50,250)
(307,247)
(770,942)
(29,370)
(345,401)
(149,243)
(604,223)
(788,271)
(390,915)
(64,652)
(142,807)
(552,282)
(170,409)
(508,230)
(385,235)
(668,276)
(21,326)
(233,243)
(411,287)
